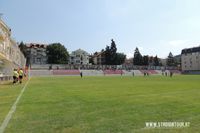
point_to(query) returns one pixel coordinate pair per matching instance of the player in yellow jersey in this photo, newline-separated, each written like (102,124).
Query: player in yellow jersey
(21,74)
(15,76)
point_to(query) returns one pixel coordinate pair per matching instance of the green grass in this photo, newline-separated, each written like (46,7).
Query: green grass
(102,104)
(8,95)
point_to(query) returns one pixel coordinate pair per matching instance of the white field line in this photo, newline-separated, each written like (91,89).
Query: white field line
(12,110)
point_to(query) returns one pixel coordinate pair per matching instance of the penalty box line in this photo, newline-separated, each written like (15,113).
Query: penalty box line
(12,110)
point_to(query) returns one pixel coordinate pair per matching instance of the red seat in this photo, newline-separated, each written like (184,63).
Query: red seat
(66,72)
(149,71)
(175,71)
(113,72)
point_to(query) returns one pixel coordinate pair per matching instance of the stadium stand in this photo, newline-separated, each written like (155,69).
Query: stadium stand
(159,72)
(111,72)
(66,72)
(149,71)
(137,72)
(153,72)
(40,67)
(92,72)
(175,71)
(130,72)
(40,73)
(98,72)
(191,72)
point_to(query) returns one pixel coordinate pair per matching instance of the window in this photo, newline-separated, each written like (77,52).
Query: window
(38,60)
(38,50)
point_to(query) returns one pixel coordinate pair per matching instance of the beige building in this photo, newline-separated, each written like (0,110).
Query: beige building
(79,57)
(190,59)
(99,58)
(10,54)
(36,54)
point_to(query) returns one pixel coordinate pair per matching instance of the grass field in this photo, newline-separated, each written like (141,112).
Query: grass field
(102,104)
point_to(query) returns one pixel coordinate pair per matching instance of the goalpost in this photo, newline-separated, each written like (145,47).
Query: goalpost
(27,72)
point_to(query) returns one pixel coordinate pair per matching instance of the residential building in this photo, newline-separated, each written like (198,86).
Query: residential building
(79,57)
(10,54)
(177,59)
(190,59)
(36,54)
(99,58)
(128,61)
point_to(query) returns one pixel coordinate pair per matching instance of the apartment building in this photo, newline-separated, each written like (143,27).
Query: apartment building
(10,54)
(79,57)
(190,59)
(36,54)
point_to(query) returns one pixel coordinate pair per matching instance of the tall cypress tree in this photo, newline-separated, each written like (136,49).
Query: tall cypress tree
(137,60)
(23,48)
(113,53)
(107,55)
(145,60)
(170,60)
(156,61)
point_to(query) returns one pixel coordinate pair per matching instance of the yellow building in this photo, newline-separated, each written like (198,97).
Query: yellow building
(10,55)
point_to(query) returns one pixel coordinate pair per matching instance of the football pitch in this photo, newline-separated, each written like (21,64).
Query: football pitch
(102,104)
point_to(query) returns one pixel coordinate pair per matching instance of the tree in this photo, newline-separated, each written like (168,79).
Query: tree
(120,58)
(57,54)
(145,60)
(177,60)
(156,61)
(137,60)
(23,48)
(107,55)
(170,60)
(91,61)
(113,53)
(151,60)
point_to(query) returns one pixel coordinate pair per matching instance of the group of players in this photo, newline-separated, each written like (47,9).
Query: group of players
(18,75)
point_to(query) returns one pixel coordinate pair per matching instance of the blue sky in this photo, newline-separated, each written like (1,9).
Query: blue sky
(155,26)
